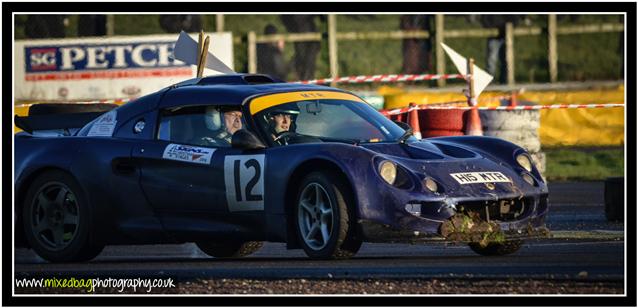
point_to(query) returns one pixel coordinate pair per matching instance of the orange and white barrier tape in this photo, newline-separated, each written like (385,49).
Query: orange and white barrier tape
(382,78)
(537,107)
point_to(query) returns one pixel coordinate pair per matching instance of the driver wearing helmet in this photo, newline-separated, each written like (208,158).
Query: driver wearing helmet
(281,122)
(221,126)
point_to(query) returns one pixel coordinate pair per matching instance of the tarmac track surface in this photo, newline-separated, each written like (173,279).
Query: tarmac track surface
(585,248)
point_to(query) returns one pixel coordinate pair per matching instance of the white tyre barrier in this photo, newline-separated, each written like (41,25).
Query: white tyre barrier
(516,126)
(510,119)
(526,139)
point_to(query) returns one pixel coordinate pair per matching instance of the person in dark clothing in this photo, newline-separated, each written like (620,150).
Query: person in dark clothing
(416,52)
(270,58)
(305,52)
(177,23)
(495,45)
(45,26)
(92,25)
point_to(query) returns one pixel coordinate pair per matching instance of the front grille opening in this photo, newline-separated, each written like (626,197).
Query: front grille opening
(498,210)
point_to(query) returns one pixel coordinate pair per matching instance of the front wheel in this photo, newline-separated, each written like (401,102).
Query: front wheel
(497,249)
(229,250)
(324,223)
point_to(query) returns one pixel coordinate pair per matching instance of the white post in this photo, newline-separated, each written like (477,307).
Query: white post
(332,46)
(440,54)
(252,52)
(552,48)
(219,22)
(509,52)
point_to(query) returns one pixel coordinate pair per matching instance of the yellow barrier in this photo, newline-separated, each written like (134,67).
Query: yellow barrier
(559,127)
(582,127)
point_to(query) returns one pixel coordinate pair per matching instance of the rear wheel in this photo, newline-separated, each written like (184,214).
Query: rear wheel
(229,250)
(497,249)
(324,223)
(57,219)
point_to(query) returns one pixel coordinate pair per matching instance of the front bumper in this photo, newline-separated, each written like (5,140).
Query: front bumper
(423,226)
(381,233)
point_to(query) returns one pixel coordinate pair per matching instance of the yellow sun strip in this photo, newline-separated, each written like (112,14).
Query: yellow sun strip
(263,102)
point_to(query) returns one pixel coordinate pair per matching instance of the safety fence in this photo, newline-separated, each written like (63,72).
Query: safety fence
(382,78)
(551,32)
(539,107)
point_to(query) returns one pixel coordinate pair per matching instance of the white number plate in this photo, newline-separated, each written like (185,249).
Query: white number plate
(480,177)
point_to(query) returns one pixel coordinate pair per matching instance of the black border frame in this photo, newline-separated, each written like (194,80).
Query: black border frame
(8,8)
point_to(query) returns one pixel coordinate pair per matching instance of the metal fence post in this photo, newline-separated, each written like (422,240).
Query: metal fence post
(509,52)
(332,46)
(440,55)
(552,56)
(252,52)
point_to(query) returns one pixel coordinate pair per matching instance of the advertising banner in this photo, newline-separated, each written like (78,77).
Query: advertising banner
(104,68)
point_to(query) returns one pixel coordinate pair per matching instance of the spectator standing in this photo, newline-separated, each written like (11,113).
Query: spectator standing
(45,26)
(177,23)
(495,51)
(305,52)
(270,57)
(417,55)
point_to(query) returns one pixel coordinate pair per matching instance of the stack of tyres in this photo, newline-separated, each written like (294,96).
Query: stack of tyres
(441,122)
(516,126)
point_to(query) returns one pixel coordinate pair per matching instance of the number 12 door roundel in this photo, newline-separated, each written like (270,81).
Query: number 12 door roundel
(244,178)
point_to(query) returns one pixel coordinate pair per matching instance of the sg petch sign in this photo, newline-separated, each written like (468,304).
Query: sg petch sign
(104,68)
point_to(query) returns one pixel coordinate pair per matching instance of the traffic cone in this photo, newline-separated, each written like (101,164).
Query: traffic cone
(513,99)
(413,120)
(473,124)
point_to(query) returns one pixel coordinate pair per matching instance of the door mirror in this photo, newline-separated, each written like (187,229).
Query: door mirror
(245,140)
(403,125)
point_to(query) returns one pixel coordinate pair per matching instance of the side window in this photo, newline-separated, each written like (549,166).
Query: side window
(209,126)
(138,127)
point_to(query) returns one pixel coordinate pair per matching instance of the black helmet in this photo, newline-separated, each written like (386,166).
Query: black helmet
(292,111)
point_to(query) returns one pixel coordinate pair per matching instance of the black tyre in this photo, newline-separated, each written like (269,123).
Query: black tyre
(229,250)
(325,225)
(57,219)
(500,249)
(52,108)
(615,198)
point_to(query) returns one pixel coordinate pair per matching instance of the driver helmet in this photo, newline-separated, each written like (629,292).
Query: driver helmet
(276,111)
(214,119)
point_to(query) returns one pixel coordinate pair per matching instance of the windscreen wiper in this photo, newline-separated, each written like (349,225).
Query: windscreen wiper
(405,136)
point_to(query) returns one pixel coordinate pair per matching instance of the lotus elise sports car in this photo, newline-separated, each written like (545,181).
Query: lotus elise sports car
(231,161)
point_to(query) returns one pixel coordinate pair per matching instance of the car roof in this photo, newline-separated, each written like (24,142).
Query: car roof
(230,89)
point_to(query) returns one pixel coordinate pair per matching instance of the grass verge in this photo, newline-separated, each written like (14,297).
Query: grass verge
(589,164)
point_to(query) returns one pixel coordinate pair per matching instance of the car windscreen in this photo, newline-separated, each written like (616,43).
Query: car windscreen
(329,120)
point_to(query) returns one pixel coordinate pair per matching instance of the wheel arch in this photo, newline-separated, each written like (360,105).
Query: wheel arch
(20,194)
(292,186)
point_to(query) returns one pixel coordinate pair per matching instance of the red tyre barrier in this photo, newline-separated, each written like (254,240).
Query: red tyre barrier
(441,122)
(440,133)
(401,117)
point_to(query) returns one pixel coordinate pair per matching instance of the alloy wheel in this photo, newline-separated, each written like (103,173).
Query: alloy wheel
(315,216)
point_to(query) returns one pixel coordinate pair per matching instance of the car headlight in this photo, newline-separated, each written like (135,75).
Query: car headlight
(524,161)
(528,178)
(430,184)
(388,171)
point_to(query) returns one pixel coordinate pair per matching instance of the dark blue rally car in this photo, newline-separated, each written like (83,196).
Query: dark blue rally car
(231,161)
